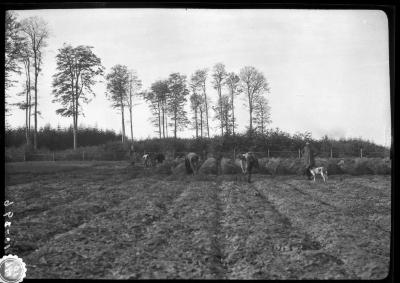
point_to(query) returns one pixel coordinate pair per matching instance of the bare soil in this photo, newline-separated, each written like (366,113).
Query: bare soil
(112,220)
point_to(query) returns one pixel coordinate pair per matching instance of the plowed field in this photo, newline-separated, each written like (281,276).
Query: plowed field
(115,221)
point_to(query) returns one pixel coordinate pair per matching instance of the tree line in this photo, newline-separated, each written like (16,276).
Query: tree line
(78,69)
(60,138)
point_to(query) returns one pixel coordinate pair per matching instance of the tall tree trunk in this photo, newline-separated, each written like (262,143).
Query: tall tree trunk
(30,114)
(76,116)
(251,120)
(159,118)
(262,122)
(27,119)
(220,111)
(163,121)
(130,108)
(35,130)
(76,125)
(28,94)
(74,121)
(196,123)
(201,122)
(175,116)
(166,125)
(233,114)
(130,117)
(206,104)
(123,122)
(250,109)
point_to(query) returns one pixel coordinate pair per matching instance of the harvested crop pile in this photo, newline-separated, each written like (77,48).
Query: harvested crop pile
(295,166)
(165,168)
(262,162)
(180,169)
(229,167)
(278,166)
(175,162)
(379,165)
(363,166)
(353,166)
(209,166)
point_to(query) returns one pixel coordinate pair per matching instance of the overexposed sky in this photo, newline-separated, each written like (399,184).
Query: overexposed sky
(328,70)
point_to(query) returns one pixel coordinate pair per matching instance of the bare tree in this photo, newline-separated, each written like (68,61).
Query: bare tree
(262,116)
(36,32)
(223,113)
(177,100)
(25,55)
(158,97)
(117,90)
(219,75)
(135,85)
(155,108)
(195,104)
(77,68)
(253,84)
(12,46)
(199,79)
(232,81)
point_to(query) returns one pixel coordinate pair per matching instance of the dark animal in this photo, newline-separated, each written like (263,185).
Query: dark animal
(248,162)
(192,162)
(159,158)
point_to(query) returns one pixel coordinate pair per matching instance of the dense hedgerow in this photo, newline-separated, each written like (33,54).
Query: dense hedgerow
(275,141)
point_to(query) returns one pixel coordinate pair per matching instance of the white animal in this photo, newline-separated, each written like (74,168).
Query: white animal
(248,161)
(146,160)
(319,170)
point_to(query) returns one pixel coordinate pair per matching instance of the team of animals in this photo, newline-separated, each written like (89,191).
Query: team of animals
(248,161)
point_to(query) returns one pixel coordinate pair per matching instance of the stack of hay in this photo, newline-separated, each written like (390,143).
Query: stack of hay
(165,168)
(179,169)
(229,167)
(209,166)
(363,166)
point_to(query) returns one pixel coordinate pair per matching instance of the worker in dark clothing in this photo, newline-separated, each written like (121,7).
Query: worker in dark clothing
(308,158)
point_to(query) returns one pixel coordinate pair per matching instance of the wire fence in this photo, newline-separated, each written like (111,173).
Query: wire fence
(137,156)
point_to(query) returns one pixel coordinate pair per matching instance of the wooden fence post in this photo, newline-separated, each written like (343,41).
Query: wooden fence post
(299,153)
(331,153)
(234,154)
(268,152)
(361,154)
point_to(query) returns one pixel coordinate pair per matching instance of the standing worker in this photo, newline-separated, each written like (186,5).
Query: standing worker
(309,161)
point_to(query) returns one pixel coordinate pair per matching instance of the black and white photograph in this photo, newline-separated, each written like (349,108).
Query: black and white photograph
(197,143)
